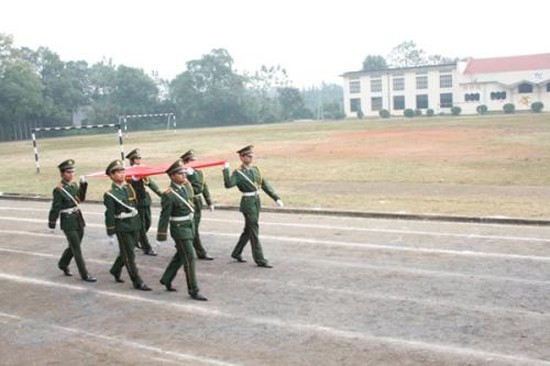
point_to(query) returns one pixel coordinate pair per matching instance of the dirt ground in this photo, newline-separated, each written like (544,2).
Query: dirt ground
(343,291)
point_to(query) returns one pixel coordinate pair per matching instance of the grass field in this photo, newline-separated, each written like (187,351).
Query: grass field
(493,165)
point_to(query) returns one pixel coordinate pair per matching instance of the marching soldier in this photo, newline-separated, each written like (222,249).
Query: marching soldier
(66,198)
(200,189)
(177,210)
(143,201)
(122,220)
(249,180)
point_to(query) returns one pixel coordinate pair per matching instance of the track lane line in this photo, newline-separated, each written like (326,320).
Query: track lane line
(119,341)
(504,311)
(413,345)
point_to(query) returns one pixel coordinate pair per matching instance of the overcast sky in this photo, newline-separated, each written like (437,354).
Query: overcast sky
(315,41)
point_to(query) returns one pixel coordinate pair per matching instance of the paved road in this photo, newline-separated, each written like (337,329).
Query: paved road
(344,291)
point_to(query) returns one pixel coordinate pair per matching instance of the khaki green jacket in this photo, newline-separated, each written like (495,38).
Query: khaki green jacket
(127,195)
(174,207)
(249,204)
(139,184)
(200,188)
(61,201)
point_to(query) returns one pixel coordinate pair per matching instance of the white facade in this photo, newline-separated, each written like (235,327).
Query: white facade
(520,80)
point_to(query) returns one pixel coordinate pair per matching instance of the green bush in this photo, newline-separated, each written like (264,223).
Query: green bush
(455,111)
(360,114)
(384,113)
(417,112)
(430,112)
(509,108)
(408,113)
(537,107)
(482,109)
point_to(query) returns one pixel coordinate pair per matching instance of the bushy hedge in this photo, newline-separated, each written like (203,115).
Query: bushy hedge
(417,112)
(456,110)
(384,113)
(537,107)
(509,108)
(408,113)
(482,109)
(430,112)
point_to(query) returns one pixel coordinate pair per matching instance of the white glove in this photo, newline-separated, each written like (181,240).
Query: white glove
(189,171)
(82,179)
(280,203)
(134,178)
(226,165)
(211,207)
(111,239)
(158,244)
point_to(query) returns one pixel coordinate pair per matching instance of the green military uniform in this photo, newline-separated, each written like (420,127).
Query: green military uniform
(143,203)
(177,211)
(249,181)
(122,220)
(66,198)
(200,189)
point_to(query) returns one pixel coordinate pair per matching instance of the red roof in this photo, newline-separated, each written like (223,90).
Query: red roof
(504,64)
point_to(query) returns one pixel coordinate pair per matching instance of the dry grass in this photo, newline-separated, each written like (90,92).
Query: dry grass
(493,165)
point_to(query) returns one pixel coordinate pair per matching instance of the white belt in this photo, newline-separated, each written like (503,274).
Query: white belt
(250,194)
(69,211)
(126,215)
(182,218)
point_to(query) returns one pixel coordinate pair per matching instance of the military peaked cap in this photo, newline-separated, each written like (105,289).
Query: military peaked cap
(176,168)
(188,156)
(67,165)
(247,150)
(133,154)
(114,166)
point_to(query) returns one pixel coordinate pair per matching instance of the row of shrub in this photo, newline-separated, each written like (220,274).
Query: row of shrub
(508,108)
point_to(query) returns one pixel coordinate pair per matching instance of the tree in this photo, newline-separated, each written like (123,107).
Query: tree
(374,63)
(324,101)
(292,104)
(407,54)
(261,94)
(210,92)
(20,97)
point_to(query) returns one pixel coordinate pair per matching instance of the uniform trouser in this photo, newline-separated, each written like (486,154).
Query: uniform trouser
(145,218)
(251,232)
(74,237)
(184,256)
(197,244)
(126,243)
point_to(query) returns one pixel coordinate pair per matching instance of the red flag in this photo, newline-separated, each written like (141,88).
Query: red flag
(140,171)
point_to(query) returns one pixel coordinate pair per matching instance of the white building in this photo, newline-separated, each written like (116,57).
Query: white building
(493,82)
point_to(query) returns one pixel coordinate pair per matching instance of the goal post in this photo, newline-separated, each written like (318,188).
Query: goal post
(67,128)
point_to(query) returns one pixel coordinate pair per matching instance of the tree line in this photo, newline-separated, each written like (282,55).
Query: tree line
(38,89)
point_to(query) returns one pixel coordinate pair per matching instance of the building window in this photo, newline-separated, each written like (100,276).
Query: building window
(422,101)
(399,84)
(446,100)
(498,95)
(398,102)
(355,104)
(548,87)
(446,81)
(525,88)
(376,103)
(376,85)
(471,97)
(421,82)
(354,86)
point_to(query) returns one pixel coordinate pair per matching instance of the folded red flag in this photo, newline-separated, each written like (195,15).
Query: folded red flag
(140,171)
